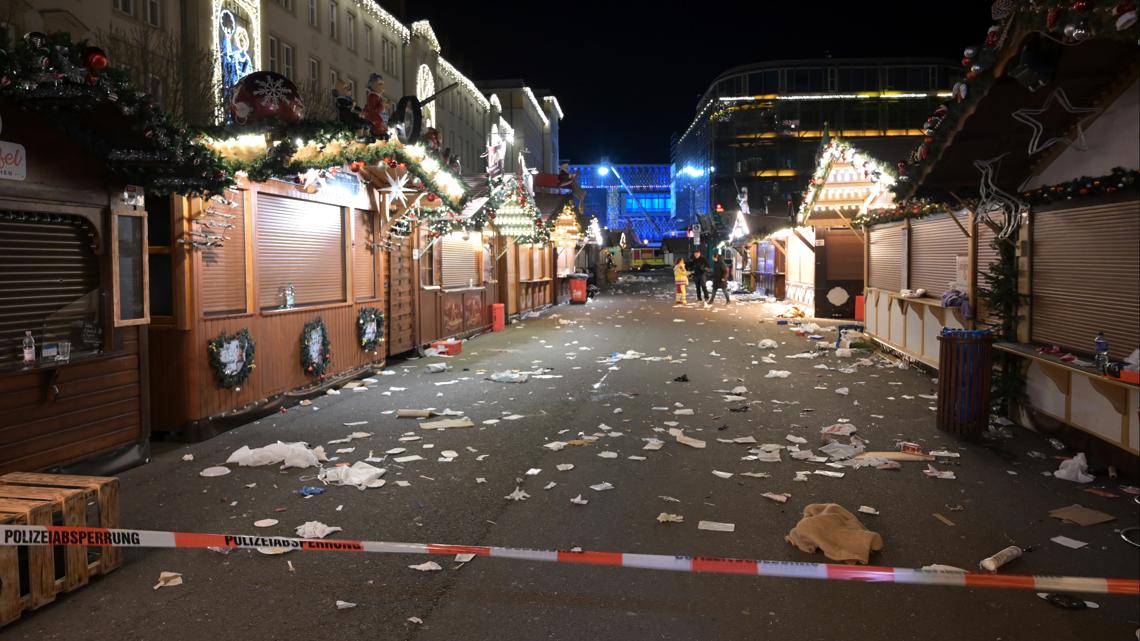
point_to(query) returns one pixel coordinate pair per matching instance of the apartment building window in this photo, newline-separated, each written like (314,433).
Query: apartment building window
(333,9)
(153,10)
(334,78)
(286,4)
(350,31)
(287,57)
(391,64)
(273,55)
(351,88)
(368,42)
(315,73)
(125,6)
(313,13)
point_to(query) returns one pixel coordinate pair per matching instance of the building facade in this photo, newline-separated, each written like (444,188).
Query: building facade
(529,119)
(758,127)
(624,197)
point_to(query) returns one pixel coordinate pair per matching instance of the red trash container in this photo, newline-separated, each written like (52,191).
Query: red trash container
(578,291)
(498,317)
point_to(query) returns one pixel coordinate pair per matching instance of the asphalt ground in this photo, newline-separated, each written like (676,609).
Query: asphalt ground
(1000,497)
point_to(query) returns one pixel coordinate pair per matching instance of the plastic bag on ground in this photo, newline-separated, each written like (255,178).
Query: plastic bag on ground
(1075,470)
(289,454)
(361,475)
(509,377)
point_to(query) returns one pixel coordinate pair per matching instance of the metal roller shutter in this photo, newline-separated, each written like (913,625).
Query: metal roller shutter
(886,257)
(363,255)
(223,268)
(460,262)
(935,242)
(49,281)
(1086,277)
(300,243)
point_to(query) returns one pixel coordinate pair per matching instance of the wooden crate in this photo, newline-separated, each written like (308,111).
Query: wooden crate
(40,586)
(106,489)
(69,507)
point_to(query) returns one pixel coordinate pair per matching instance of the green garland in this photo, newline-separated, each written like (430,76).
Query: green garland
(1120,180)
(1045,16)
(315,367)
(48,74)
(369,317)
(1001,299)
(214,348)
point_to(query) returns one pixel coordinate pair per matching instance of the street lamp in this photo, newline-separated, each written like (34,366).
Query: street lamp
(603,170)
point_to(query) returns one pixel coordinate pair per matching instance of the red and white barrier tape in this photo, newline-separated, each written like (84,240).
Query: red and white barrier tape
(54,535)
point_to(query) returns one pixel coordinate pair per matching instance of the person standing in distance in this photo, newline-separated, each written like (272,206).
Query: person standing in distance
(720,279)
(700,273)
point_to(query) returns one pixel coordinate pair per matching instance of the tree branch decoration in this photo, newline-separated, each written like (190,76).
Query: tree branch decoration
(1000,297)
(316,351)
(370,328)
(231,357)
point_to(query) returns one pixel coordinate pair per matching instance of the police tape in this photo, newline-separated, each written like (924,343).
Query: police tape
(75,536)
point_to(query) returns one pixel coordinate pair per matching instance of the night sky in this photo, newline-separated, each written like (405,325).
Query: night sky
(629,74)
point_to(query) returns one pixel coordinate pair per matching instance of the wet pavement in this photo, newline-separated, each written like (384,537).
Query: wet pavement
(999,497)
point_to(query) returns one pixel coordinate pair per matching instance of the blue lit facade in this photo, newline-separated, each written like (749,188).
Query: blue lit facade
(637,197)
(760,126)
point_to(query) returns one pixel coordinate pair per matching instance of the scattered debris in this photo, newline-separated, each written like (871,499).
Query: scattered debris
(831,528)
(168,580)
(1069,543)
(1075,469)
(315,530)
(779,498)
(1081,515)
(947,522)
(992,563)
(447,423)
(665,517)
(429,566)
(578,500)
(714,526)
(518,495)
(217,470)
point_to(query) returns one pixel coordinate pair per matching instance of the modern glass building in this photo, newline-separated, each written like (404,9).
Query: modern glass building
(637,197)
(759,126)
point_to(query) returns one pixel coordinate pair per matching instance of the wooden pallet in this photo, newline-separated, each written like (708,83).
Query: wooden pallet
(106,489)
(35,585)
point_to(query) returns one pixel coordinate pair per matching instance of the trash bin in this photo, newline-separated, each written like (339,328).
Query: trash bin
(965,371)
(498,317)
(578,289)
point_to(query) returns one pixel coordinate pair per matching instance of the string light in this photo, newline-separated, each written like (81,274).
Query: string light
(448,69)
(422,28)
(373,8)
(557,107)
(537,108)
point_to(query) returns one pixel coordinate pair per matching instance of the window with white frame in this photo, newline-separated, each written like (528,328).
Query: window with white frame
(313,14)
(274,64)
(315,73)
(334,9)
(153,10)
(368,42)
(350,31)
(334,78)
(287,57)
(391,61)
(124,6)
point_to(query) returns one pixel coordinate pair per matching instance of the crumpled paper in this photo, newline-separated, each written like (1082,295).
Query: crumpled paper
(315,530)
(509,377)
(1075,470)
(289,454)
(361,475)
(168,580)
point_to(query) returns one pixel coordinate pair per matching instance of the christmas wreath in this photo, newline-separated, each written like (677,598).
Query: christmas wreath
(370,328)
(231,356)
(315,348)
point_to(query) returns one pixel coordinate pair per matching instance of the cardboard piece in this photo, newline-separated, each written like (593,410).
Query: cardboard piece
(447,423)
(1081,515)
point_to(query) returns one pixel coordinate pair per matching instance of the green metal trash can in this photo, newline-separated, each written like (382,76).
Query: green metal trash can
(965,375)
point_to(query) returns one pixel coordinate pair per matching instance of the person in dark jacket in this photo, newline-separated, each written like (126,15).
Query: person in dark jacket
(699,270)
(720,279)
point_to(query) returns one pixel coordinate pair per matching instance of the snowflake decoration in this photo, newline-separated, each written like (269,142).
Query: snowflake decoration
(397,187)
(272,90)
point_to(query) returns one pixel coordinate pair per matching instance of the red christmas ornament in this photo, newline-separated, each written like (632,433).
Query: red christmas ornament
(356,166)
(966,62)
(1082,5)
(971,75)
(393,164)
(265,95)
(95,59)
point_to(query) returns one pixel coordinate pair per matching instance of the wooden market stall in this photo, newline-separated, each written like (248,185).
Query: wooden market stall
(525,255)
(568,241)
(76,267)
(1049,143)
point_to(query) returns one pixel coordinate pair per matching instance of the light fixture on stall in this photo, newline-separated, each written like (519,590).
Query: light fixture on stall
(739,228)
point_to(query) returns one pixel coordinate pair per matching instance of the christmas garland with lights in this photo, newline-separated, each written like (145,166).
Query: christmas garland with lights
(215,346)
(47,74)
(1072,22)
(370,320)
(315,366)
(837,149)
(509,193)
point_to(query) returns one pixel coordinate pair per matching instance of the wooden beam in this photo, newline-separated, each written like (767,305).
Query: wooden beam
(805,241)
(958,222)
(858,234)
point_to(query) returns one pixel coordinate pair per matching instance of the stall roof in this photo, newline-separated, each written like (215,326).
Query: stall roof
(846,183)
(983,127)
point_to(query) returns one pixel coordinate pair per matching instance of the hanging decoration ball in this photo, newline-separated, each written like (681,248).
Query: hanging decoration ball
(970,52)
(95,59)
(977,69)
(265,95)
(993,34)
(966,61)
(1078,31)
(356,166)
(1081,5)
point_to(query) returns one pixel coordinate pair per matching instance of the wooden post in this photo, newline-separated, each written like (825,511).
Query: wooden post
(971,265)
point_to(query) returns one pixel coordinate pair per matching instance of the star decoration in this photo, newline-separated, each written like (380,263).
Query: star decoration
(397,187)
(1029,117)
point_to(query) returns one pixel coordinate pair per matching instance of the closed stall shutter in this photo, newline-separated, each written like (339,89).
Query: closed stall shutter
(524,261)
(49,283)
(460,262)
(987,256)
(363,255)
(886,257)
(934,244)
(1086,277)
(299,243)
(223,268)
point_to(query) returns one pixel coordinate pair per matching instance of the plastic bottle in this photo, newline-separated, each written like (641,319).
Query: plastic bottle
(994,562)
(29,348)
(1101,346)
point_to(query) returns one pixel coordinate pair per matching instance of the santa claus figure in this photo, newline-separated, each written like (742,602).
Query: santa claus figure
(375,107)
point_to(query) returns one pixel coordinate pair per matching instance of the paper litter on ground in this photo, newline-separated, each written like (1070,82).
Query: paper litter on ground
(315,530)
(602,487)
(288,454)
(168,580)
(564,467)
(578,500)
(265,523)
(778,373)
(779,498)
(429,566)
(448,423)
(685,440)
(518,495)
(217,470)
(665,517)
(360,475)
(1069,543)
(714,526)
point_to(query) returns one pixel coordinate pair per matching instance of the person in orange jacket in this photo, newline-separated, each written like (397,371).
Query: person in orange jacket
(680,279)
